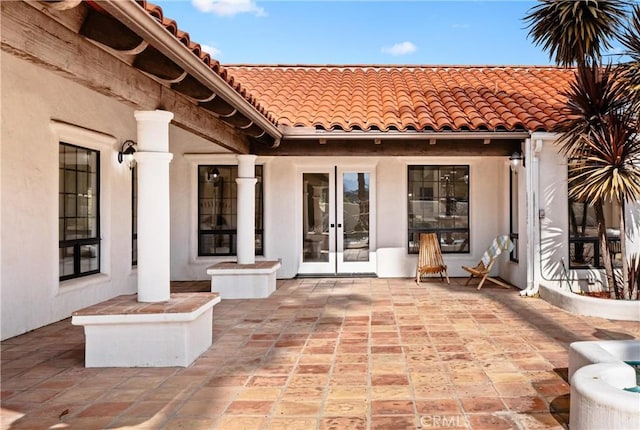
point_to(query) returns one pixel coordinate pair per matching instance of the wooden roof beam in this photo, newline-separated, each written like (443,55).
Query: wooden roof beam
(66,53)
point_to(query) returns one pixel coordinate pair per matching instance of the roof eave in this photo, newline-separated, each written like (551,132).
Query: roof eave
(306,133)
(135,17)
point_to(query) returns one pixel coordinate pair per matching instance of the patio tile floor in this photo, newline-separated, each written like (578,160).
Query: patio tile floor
(344,353)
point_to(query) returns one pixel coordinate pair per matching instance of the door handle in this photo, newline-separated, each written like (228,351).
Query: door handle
(339,225)
(332,225)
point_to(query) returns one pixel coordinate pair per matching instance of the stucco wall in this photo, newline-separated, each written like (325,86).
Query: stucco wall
(185,264)
(35,102)
(31,293)
(391,210)
(282,238)
(554,227)
(515,272)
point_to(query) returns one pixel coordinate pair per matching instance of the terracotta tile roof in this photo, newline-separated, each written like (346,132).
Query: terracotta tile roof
(371,97)
(430,98)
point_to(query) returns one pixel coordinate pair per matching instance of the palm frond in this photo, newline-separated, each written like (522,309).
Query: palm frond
(630,39)
(591,97)
(573,31)
(611,170)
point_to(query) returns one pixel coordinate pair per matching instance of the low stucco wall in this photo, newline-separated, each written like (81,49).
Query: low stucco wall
(623,310)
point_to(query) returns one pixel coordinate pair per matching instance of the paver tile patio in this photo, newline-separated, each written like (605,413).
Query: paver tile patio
(343,353)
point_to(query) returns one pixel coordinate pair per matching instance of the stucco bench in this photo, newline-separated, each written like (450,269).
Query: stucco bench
(244,281)
(122,332)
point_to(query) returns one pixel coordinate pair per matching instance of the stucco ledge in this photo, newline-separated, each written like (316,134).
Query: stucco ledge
(623,310)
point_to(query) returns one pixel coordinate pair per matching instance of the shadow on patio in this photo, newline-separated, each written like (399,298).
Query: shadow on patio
(321,354)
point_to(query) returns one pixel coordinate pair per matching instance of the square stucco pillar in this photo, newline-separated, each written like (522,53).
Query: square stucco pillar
(152,158)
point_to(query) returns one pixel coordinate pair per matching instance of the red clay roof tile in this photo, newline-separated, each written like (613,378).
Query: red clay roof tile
(372,97)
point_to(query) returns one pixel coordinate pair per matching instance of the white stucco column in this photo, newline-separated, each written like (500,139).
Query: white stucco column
(153,158)
(532,150)
(246,242)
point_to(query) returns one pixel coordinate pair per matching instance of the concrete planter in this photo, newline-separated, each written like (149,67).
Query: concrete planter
(598,375)
(625,310)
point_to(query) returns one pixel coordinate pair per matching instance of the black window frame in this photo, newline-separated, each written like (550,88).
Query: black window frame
(134,216)
(229,235)
(587,245)
(78,243)
(413,233)
(581,243)
(513,215)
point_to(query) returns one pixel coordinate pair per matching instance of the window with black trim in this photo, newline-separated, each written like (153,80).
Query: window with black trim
(584,244)
(438,202)
(79,211)
(513,214)
(218,210)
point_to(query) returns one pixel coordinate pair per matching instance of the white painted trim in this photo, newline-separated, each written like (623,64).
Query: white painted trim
(76,284)
(474,193)
(212,158)
(545,136)
(372,264)
(298,133)
(220,159)
(316,167)
(327,165)
(105,144)
(320,162)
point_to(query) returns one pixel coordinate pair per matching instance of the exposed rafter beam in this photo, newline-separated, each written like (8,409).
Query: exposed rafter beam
(64,52)
(137,19)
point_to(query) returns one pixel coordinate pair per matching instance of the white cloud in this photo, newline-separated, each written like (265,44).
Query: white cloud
(402,48)
(228,7)
(211,50)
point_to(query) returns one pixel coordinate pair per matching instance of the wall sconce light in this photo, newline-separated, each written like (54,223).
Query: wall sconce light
(126,153)
(515,159)
(212,175)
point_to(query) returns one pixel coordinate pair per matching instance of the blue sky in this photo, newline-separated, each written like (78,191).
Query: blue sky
(359,32)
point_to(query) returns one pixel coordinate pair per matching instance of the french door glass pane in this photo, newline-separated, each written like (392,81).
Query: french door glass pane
(355,190)
(315,217)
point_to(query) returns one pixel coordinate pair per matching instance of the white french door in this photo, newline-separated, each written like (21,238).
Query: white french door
(338,221)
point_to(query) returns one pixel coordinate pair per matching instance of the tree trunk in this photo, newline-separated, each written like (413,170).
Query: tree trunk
(634,276)
(604,250)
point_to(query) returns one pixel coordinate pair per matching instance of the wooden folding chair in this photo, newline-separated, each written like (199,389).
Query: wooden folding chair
(483,268)
(430,257)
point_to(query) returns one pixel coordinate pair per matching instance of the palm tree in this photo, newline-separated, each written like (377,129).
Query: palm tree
(599,135)
(589,98)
